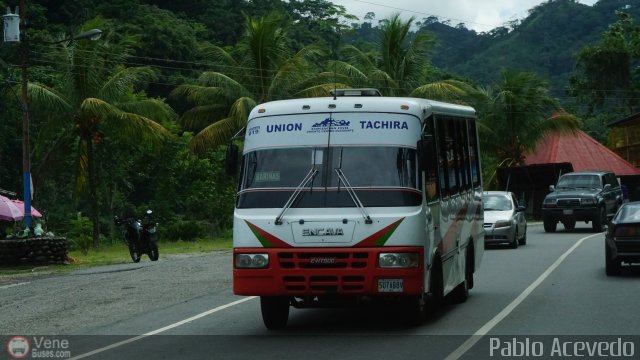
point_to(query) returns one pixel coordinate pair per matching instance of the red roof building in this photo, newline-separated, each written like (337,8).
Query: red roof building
(558,154)
(582,151)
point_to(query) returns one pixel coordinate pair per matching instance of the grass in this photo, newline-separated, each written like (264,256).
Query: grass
(118,253)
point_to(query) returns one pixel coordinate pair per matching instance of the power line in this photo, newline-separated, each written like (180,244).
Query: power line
(212,67)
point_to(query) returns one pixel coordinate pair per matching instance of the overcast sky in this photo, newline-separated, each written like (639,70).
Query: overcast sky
(479,15)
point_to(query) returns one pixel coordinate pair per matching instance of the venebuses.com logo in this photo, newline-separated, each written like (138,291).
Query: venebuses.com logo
(38,347)
(18,347)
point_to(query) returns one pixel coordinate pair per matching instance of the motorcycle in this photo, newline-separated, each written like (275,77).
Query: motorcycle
(140,236)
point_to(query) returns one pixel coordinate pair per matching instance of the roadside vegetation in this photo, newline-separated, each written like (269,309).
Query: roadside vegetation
(117,253)
(140,118)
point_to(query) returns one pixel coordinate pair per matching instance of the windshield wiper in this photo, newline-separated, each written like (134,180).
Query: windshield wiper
(353,195)
(309,177)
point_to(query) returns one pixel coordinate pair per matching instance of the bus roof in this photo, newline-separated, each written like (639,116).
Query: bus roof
(416,106)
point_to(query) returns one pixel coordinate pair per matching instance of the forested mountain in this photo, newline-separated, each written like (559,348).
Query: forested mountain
(188,72)
(545,42)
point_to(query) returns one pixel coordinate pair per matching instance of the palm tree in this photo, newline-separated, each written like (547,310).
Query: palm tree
(400,67)
(260,68)
(96,97)
(517,115)
(403,60)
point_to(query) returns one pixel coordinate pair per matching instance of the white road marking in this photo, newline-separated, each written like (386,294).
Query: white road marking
(168,327)
(12,285)
(484,330)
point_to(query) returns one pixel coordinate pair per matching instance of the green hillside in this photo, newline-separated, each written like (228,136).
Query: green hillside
(545,42)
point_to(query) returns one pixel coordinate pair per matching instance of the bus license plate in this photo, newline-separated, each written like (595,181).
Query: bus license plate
(390,285)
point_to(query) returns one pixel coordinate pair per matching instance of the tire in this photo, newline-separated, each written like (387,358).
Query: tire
(435,298)
(598,223)
(550,225)
(514,243)
(134,253)
(275,311)
(569,224)
(523,241)
(154,254)
(415,310)
(461,292)
(612,266)
(470,267)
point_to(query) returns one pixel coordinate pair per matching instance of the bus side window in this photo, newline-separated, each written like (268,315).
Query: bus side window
(463,151)
(430,165)
(442,153)
(474,156)
(453,163)
(428,153)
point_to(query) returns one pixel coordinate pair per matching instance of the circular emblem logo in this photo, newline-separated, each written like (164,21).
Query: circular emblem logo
(18,347)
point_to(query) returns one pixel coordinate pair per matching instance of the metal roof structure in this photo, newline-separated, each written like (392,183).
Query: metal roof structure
(582,151)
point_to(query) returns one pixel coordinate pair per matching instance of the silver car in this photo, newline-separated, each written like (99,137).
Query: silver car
(504,219)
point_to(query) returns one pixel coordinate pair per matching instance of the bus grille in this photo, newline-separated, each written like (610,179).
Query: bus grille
(323,260)
(324,283)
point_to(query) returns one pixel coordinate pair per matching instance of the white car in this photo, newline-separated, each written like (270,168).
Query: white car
(504,219)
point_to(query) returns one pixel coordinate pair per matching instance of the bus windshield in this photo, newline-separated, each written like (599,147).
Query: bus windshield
(279,172)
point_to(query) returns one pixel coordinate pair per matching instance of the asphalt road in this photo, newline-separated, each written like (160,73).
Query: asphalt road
(550,295)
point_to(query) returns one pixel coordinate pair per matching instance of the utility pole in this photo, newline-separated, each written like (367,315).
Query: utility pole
(26,152)
(13,34)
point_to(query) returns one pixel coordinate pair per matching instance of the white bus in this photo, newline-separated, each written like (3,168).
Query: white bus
(355,197)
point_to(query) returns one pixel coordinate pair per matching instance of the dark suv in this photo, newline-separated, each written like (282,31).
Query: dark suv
(582,196)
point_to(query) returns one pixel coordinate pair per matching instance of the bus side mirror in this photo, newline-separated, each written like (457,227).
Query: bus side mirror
(231,159)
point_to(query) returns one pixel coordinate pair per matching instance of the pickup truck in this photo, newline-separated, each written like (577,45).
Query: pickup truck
(589,196)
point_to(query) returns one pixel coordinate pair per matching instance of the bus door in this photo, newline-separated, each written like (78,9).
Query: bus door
(431,185)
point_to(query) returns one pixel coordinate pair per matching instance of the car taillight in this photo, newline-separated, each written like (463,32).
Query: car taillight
(626,231)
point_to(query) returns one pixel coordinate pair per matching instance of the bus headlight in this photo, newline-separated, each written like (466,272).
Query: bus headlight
(251,261)
(398,260)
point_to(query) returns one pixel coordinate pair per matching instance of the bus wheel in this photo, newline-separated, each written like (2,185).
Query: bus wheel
(275,311)
(416,309)
(470,267)
(436,289)
(461,292)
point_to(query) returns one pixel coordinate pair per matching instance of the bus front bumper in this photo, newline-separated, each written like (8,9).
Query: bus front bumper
(304,272)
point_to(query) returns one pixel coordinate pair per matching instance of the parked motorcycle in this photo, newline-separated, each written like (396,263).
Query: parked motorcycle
(141,236)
